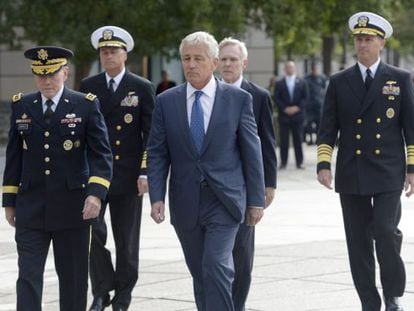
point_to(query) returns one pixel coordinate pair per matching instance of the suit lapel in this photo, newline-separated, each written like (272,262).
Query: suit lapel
(103,93)
(181,105)
(379,80)
(356,83)
(215,114)
(36,111)
(119,94)
(246,86)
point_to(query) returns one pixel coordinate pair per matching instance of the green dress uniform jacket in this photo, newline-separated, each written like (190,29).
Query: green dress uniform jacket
(374,128)
(51,168)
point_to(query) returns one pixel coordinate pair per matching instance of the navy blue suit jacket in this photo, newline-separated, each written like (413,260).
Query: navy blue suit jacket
(283,100)
(230,160)
(263,114)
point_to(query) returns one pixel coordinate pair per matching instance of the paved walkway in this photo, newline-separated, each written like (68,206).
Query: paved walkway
(300,265)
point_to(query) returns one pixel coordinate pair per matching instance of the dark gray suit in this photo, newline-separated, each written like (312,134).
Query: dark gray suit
(243,251)
(208,192)
(293,123)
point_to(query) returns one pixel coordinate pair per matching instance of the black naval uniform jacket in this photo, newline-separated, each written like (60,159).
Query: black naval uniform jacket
(127,115)
(263,114)
(50,169)
(374,128)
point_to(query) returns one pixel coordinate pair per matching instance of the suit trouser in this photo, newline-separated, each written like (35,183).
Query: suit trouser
(243,253)
(296,127)
(70,250)
(368,219)
(208,253)
(125,211)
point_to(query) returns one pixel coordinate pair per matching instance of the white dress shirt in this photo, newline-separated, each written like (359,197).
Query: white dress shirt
(207,100)
(55,100)
(117,79)
(290,83)
(373,69)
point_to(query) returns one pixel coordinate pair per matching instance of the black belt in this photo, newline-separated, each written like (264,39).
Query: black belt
(203,184)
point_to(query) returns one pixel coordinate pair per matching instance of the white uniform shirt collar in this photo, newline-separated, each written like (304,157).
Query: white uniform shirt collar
(373,69)
(209,89)
(55,99)
(237,83)
(207,100)
(117,78)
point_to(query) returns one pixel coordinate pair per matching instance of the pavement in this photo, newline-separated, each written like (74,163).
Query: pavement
(301,261)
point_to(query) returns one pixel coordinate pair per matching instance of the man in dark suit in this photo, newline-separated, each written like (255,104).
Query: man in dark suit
(58,169)
(232,61)
(127,101)
(291,94)
(165,83)
(204,133)
(371,106)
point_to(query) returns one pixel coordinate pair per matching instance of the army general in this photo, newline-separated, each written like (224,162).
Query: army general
(58,170)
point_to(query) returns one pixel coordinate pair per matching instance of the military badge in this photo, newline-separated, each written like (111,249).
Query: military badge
(128,118)
(107,34)
(67,145)
(390,113)
(23,123)
(22,127)
(72,125)
(70,116)
(390,88)
(391,97)
(17,97)
(77,143)
(363,21)
(130,101)
(42,54)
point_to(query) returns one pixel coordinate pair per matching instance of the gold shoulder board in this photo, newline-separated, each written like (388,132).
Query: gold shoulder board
(90,97)
(17,97)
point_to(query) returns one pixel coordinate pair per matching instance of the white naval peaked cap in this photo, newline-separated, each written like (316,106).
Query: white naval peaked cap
(112,36)
(368,23)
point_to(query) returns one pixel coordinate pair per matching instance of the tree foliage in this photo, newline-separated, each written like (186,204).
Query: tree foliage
(298,27)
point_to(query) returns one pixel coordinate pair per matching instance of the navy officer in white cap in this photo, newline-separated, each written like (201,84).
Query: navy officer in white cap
(58,170)
(370,107)
(127,101)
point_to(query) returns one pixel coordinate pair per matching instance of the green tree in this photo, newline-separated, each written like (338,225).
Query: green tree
(156,25)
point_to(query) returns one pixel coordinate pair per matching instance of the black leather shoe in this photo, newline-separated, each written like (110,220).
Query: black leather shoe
(119,308)
(393,304)
(100,303)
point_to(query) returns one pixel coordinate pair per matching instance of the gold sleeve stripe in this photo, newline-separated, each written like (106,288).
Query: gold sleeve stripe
(99,180)
(144,160)
(410,154)
(325,153)
(10,189)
